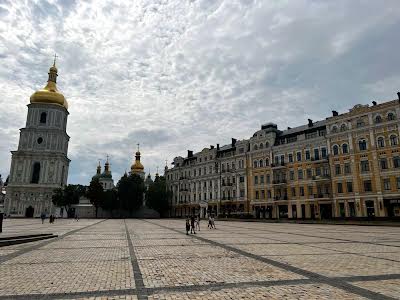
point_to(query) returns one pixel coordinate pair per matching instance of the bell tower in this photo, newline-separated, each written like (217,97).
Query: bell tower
(40,164)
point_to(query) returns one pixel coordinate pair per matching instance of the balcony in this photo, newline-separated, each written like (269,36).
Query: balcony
(278,166)
(319,196)
(227,184)
(279,181)
(285,197)
(321,177)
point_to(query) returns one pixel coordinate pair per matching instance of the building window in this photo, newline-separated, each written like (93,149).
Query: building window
(360,123)
(335,150)
(349,187)
(393,140)
(384,164)
(301,191)
(293,189)
(242,193)
(298,156)
(345,149)
(282,160)
(378,119)
(300,174)
(343,127)
(35,173)
(398,183)
(339,188)
(262,194)
(391,116)
(255,164)
(367,186)
(255,147)
(381,142)
(241,179)
(318,171)
(257,195)
(316,154)
(268,178)
(261,164)
(337,169)
(347,168)
(43,118)
(262,179)
(386,184)
(266,162)
(323,152)
(255,179)
(308,155)
(334,129)
(364,166)
(261,146)
(309,173)
(291,175)
(362,145)
(290,155)
(310,190)
(396,162)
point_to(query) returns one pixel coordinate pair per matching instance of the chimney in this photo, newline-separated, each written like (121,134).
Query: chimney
(190,153)
(334,113)
(398,95)
(233,142)
(211,146)
(374,103)
(310,123)
(218,147)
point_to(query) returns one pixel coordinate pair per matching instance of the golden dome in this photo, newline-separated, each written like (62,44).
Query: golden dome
(137,166)
(50,94)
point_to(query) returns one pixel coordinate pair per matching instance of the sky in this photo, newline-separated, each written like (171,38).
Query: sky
(182,75)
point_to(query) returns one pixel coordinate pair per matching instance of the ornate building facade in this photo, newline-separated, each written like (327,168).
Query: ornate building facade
(347,165)
(40,164)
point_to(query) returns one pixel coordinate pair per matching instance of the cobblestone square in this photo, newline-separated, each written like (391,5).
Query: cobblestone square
(155,259)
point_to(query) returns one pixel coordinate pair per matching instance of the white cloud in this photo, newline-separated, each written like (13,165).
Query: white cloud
(190,73)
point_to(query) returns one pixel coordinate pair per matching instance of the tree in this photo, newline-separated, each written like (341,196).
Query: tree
(95,194)
(130,192)
(157,195)
(110,201)
(67,196)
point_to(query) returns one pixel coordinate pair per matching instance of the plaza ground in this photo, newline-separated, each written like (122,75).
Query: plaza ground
(155,259)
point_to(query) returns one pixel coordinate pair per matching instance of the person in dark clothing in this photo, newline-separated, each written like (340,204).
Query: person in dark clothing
(43,216)
(187,226)
(192,225)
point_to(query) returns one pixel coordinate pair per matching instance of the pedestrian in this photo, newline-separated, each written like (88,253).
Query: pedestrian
(192,226)
(213,222)
(198,222)
(76,217)
(209,222)
(187,226)
(43,217)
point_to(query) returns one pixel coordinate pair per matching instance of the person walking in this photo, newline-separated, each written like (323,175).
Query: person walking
(209,222)
(43,217)
(187,226)
(198,222)
(192,226)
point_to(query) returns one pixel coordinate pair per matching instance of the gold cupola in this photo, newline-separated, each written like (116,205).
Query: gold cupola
(137,167)
(49,94)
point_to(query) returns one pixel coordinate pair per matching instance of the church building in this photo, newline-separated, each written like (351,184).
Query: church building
(40,164)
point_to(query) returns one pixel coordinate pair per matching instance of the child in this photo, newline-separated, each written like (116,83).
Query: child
(187,226)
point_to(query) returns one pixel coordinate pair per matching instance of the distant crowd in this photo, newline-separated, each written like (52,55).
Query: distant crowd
(193,223)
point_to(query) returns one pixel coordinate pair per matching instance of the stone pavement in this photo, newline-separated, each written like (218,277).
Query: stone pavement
(155,259)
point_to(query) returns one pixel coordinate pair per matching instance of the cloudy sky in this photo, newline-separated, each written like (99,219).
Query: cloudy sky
(184,74)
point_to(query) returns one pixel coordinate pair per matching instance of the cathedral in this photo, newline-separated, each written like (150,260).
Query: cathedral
(105,178)
(40,164)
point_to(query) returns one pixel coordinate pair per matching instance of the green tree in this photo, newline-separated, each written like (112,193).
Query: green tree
(95,194)
(110,201)
(67,196)
(130,192)
(157,195)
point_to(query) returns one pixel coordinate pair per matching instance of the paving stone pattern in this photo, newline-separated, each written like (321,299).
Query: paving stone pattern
(155,259)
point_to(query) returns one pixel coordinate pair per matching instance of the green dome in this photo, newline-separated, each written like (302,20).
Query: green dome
(105,175)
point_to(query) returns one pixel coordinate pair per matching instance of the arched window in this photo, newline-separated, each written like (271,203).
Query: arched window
(345,149)
(266,162)
(261,145)
(360,123)
(260,163)
(335,150)
(378,119)
(255,147)
(255,164)
(343,127)
(35,173)
(381,142)
(393,140)
(391,116)
(43,118)
(266,145)
(334,129)
(362,145)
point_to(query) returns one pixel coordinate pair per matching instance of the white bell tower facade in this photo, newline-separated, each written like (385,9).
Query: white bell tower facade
(40,165)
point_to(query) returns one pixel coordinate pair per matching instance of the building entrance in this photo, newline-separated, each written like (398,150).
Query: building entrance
(326,211)
(370,208)
(29,212)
